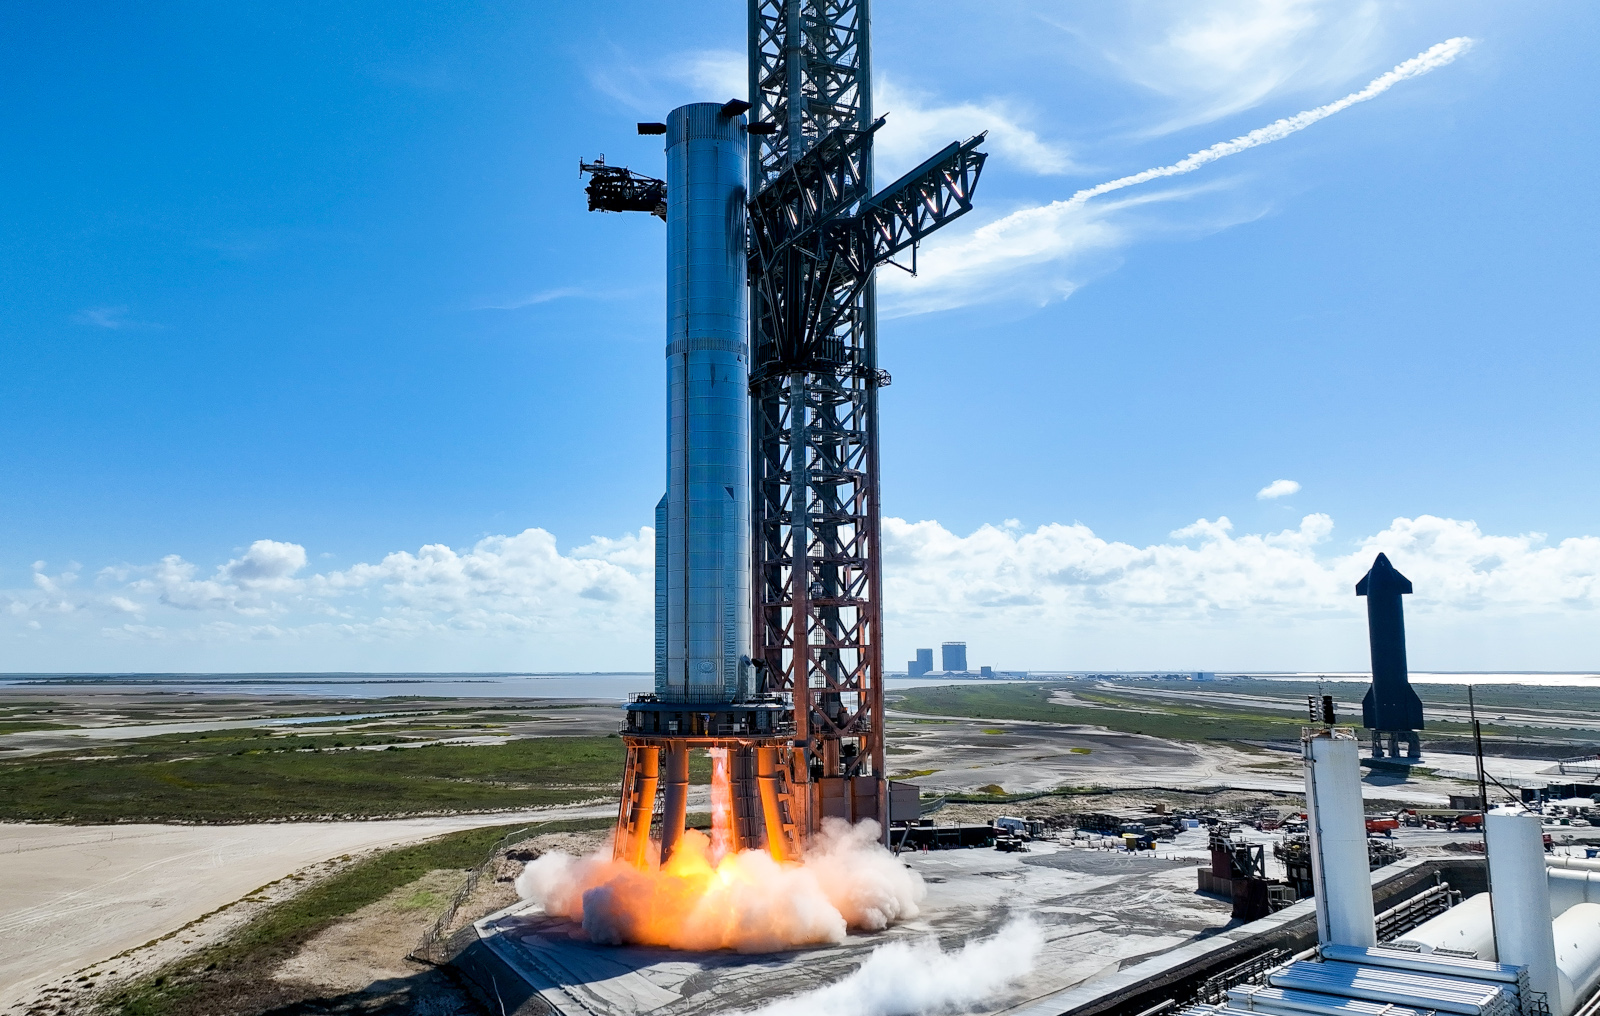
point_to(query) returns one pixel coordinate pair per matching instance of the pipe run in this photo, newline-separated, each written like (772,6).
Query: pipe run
(675,809)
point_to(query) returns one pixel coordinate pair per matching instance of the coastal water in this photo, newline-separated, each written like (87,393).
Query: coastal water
(611,686)
(608,686)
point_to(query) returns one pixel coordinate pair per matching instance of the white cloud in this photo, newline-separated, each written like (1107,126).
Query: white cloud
(1277,489)
(655,86)
(1265,600)
(916,128)
(1212,58)
(520,582)
(268,564)
(990,262)
(1057,595)
(110,318)
(245,584)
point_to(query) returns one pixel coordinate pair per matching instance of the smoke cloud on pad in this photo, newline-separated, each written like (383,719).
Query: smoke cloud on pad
(914,978)
(743,901)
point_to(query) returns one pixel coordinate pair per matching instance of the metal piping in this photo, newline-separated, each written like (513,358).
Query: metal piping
(675,809)
(1570,888)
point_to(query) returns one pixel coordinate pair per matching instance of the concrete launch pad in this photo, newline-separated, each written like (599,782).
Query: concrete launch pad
(1098,911)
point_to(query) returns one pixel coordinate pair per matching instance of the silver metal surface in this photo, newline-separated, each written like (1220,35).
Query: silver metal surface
(703,623)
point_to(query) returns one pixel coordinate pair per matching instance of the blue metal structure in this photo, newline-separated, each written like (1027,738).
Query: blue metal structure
(953,657)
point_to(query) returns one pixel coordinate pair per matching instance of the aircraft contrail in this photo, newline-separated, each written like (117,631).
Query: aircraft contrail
(1431,59)
(956,273)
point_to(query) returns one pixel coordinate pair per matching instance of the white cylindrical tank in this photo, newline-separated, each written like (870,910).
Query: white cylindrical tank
(1337,823)
(1568,888)
(705,559)
(1522,932)
(1577,935)
(1467,927)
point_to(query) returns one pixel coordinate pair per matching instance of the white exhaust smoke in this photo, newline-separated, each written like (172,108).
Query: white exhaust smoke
(916,978)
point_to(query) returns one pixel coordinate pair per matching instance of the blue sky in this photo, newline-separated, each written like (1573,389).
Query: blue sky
(304,327)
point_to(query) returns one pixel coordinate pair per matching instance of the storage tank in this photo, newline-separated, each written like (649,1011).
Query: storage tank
(1577,935)
(1465,927)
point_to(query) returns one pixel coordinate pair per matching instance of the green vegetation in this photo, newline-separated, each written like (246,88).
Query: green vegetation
(994,730)
(1559,701)
(1080,751)
(197,983)
(253,774)
(1170,718)
(1032,702)
(18,726)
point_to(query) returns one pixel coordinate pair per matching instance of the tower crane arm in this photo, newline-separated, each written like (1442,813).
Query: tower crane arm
(935,193)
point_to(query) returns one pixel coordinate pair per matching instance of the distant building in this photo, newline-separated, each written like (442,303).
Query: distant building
(985,671)
(921,665)
(1203,675)
(954,656)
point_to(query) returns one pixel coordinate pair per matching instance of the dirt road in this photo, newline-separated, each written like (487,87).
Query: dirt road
(72,895)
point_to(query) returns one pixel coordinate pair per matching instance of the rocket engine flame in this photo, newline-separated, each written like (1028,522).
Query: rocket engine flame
(744,901)
(721,805)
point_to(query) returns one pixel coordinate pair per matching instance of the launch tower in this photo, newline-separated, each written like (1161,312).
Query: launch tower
(769,596)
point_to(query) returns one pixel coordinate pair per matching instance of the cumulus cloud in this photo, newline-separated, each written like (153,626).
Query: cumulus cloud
(1051,594)
(244,584)
(1277,489)
(268,564)
(520,582)
(1059,575)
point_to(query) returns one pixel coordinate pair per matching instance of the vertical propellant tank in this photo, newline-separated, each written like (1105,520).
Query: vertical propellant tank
(705,695)
(703,523)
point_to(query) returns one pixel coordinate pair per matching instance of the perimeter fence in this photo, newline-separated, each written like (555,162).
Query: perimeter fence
(424,951)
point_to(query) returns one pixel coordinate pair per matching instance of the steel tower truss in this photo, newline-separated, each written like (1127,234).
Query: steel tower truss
(815,237)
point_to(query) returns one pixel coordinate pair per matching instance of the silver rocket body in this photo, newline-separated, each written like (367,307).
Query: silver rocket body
(703,522)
